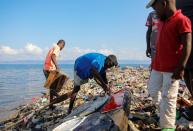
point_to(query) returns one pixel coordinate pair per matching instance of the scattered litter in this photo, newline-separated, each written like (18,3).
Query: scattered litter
(142,116)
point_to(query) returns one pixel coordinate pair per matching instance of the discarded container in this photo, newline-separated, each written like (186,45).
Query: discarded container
(134,79)
(191,125)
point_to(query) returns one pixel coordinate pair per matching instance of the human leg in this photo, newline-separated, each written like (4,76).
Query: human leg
(168,102)
(155,85)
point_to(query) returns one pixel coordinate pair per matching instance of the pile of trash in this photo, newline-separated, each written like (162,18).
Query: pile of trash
(142,113)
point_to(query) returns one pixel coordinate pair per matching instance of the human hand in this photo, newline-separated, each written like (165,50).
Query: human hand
(57,69)
(108,91)
(178,73)
(148,52)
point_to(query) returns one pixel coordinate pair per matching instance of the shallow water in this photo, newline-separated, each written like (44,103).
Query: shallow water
(19,83)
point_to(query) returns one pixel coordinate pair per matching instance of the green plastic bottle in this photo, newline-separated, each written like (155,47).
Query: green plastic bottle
(178,116)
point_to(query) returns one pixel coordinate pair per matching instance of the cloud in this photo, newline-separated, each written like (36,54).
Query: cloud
(73,53)
(122,54)
(131,54)
(33,49)
(6,50)
(83,51)
(33,52)
(28,52)
(106,51)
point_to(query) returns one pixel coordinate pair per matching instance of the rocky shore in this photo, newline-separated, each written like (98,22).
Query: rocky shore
(142,112)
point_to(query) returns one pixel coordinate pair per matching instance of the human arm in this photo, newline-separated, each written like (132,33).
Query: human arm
(148,37)
(55,54)
(99,80)
(186,39)
(148,34)
(53,57)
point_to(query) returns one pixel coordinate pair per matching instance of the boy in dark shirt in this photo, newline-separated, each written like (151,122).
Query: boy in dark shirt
(187,9)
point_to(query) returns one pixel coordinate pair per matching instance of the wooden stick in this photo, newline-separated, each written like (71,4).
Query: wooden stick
(56,100)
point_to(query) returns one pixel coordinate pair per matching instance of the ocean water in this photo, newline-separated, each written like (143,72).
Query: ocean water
(19,83)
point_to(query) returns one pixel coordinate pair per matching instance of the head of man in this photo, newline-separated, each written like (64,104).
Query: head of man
(163,8)
(61,44)
(111,61)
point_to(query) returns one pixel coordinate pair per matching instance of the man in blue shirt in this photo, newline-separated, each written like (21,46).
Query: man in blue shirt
(88,66)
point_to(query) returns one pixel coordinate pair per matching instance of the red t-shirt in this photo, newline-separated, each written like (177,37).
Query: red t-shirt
(48,64)
(169,47)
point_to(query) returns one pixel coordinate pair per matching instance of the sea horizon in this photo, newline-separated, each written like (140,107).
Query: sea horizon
(68,61)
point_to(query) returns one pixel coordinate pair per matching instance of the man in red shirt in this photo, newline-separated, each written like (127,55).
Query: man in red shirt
(51,64)
(172,53)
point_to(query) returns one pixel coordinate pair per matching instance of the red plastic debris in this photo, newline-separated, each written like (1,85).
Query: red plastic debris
(115,102)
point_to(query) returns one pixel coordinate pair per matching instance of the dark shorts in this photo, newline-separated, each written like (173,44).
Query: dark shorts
(46,73)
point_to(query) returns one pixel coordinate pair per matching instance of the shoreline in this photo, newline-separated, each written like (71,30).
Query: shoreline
(131,78)
(9,111)
(91,89)
(6,109)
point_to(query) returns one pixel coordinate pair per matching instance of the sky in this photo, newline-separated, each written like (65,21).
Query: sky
(29,28)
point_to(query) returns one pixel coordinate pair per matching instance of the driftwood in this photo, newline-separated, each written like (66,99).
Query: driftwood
(28,115)
(131,126)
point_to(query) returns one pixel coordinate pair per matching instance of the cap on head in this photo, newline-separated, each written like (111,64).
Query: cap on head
(150,3)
